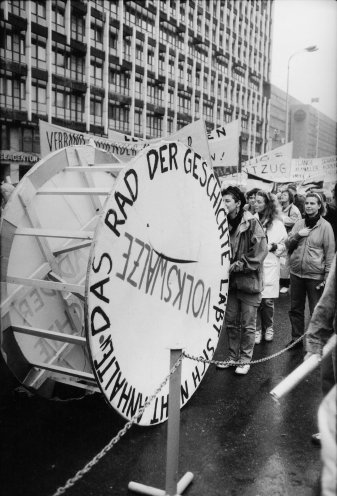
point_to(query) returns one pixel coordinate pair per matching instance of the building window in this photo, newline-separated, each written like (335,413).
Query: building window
(12,94)
(119,118)
(96,72)
(119,82)
(150,58)
(61,106)
(38,10)
(169,126)
(138,122)
(39,53)
(155,94)
(61,60)
(113,41)
(77,108)
(77,64)
(113,6)
(15,47)
(139,87)
(96,33)
(208,112)
(127,49)
(96,110)
(184,104)
(77,28)
(153,126)
(5,136)
(17,7)
(39,97)
(30,140)
(58,16)
(139,51)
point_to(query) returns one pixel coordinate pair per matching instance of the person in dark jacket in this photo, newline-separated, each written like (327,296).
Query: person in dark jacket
(311,246)
(248,250)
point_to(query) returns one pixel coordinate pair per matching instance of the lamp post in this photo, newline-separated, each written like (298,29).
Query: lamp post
(312,48)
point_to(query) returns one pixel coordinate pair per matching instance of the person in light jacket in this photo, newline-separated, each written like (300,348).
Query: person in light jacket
(248,251)
(267,211)
(311,246)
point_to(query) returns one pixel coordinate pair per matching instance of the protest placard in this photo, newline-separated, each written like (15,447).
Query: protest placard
(274,165)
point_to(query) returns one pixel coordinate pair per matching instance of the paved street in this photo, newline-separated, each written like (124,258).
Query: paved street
(234,438)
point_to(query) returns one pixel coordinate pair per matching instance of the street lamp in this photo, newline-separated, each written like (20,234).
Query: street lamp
(312,48)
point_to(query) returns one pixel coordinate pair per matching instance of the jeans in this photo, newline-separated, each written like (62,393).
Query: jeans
(266,313)
(300,288)
(240,321)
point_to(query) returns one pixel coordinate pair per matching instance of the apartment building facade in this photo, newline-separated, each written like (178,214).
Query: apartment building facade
(141,67)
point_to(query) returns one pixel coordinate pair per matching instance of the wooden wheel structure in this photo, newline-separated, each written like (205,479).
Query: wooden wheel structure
(46,233)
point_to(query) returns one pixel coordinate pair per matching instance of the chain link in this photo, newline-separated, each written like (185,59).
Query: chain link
(253,362)
(71,482)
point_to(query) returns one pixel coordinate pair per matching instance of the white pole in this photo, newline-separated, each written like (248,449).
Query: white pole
(302,370)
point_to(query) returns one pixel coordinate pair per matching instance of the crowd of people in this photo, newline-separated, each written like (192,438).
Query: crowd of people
(278,238)
(301,231)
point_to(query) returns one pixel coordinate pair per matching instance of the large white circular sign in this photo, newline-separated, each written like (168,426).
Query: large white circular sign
(157,277)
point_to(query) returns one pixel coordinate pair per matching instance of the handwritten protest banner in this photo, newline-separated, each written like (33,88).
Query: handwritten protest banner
(54,138)
(324,168)
(224,145)
(158,276)
(274,165)
(124,147)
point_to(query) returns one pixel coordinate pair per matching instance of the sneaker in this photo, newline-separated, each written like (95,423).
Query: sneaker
(242,369)
(284,290)
(226,364)
(258,337)
(269,336)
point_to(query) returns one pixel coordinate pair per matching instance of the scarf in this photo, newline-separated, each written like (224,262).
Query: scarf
(233,223)
(311,221)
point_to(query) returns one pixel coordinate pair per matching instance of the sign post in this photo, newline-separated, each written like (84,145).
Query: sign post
(172,486)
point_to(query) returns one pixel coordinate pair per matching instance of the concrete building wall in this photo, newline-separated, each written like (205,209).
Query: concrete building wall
(313,133)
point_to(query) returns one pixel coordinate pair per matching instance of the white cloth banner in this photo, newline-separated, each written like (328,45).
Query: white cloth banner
(124,147)
(224,146)
(274,165)
(324,169)
(54,138)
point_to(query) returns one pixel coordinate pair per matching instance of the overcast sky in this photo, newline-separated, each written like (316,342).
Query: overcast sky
(299,24)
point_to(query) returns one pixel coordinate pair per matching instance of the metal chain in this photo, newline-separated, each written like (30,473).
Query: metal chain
(72,481)
(253,362)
